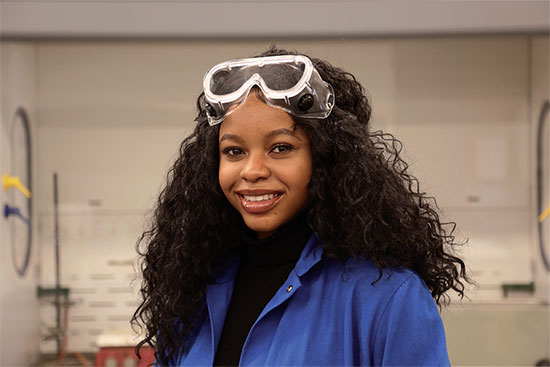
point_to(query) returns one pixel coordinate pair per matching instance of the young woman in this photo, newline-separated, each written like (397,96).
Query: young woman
(289,233)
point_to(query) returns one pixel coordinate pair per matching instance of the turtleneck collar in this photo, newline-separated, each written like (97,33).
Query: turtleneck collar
(284,246)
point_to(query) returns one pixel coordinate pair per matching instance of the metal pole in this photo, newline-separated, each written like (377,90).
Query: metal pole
(57,268)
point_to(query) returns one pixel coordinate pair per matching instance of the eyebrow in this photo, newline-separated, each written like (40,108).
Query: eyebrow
(282,131)
(269,135)
(231,137)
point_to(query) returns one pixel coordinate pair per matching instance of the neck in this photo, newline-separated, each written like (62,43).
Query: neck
(283,245)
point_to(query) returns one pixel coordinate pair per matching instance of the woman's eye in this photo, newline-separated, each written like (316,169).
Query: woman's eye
(283,148)
(232,151)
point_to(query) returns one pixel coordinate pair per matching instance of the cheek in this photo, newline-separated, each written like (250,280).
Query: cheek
(298,176)
(225,177)
(306,170)
(305,179)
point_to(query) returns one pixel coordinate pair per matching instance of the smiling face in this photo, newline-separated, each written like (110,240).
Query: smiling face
(265,165)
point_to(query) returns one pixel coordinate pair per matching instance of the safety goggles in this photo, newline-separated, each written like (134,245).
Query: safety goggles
(289,82)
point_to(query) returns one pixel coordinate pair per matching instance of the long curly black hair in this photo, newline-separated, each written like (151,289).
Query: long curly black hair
(362,203)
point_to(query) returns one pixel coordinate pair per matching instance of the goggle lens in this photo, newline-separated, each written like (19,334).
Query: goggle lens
(276,76)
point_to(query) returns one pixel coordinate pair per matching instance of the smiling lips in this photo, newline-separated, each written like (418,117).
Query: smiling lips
(258,202)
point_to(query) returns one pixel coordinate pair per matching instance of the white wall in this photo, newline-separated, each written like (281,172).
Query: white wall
(108,118)
(461,108)
(497,334)
(111,116)
(19,323)
(540,92)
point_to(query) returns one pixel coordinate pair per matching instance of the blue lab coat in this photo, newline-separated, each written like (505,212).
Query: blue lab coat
(330,314)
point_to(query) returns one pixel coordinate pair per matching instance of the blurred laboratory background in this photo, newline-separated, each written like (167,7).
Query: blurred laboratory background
(96,97)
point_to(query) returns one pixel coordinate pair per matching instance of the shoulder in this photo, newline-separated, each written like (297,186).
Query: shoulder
(362,276)
(357,287)
(400,318)
(357,283)
(391,310)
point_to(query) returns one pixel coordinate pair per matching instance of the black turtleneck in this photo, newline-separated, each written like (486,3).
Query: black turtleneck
(265,265)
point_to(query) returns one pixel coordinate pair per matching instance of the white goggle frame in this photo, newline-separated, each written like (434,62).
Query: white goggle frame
(309,97)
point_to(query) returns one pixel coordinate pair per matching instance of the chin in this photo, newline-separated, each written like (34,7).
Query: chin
(258,226)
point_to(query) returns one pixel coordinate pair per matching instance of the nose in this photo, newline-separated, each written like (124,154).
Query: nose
(255,168)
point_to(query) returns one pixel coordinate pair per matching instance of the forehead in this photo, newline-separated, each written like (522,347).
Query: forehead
(255,117)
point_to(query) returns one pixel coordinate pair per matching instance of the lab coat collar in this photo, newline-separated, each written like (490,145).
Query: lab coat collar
(311,255)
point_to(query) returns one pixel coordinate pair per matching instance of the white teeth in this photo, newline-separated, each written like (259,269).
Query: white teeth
(259,198)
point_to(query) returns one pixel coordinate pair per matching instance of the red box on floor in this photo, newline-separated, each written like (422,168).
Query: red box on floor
(124,357)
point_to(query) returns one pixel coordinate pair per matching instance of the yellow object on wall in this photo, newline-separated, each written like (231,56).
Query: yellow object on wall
(12,181)
(545,213)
